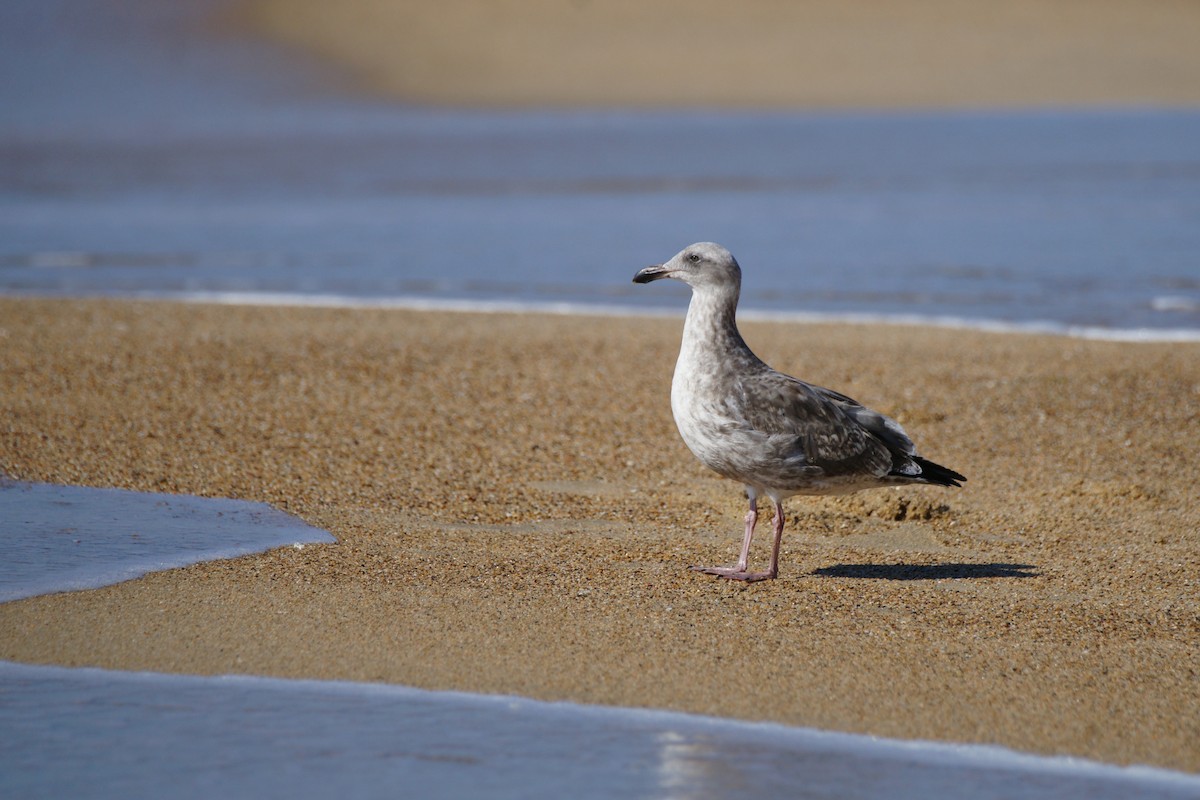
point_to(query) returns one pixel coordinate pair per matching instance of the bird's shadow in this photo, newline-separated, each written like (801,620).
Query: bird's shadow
(927,572)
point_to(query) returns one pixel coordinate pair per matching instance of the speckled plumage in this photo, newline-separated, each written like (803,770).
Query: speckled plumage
(774,433)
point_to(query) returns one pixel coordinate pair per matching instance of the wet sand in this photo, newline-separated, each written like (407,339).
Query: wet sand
(515,513)
(761,54)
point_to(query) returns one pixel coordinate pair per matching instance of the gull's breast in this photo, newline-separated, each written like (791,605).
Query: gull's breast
(714,429)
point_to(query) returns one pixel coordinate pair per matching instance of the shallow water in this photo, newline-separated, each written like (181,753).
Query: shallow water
(65,538)
(214,166)
(95,733)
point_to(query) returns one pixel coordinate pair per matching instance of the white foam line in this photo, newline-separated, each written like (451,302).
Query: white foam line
(1043,327)
(410,303)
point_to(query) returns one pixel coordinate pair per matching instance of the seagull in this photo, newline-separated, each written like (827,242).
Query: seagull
(777,435)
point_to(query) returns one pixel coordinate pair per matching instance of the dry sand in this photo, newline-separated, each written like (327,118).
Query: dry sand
(515,513)
(762,53)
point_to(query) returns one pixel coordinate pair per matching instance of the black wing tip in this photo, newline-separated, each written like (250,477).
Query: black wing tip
(937,474)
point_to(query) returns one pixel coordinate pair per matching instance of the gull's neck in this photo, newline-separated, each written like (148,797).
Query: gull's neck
(711,325)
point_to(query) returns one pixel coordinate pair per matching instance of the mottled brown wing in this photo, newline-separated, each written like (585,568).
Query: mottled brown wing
(827,433)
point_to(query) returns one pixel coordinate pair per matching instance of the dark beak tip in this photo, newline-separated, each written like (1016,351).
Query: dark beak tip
(650,274)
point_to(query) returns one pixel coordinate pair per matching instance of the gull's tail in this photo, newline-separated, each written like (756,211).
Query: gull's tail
(936,473)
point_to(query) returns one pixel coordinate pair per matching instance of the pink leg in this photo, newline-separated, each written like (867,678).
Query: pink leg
(751,521)
(777,527)
(739,572)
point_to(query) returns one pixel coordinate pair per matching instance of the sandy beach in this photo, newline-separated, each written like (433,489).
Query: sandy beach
(762,54)
(515,513)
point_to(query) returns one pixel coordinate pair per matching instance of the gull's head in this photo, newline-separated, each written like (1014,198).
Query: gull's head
(699,265)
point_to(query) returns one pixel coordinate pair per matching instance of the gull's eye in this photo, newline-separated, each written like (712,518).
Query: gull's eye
(694,258)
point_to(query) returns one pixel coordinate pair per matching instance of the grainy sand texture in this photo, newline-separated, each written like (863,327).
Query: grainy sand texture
(516,513)
(758,54)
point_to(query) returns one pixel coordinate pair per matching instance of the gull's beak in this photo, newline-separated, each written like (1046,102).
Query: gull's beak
(652,273)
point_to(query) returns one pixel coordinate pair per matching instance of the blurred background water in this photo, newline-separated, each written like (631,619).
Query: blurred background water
(144,154)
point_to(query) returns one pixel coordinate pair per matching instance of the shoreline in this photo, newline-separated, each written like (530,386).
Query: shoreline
(648,742)
(300,300)
(515,515)
(842,746)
